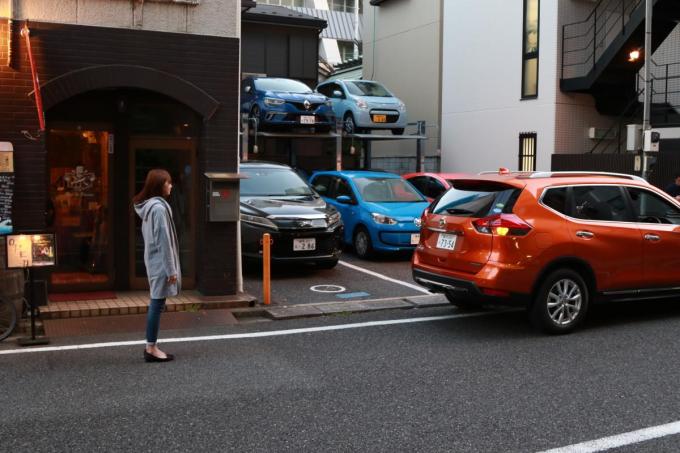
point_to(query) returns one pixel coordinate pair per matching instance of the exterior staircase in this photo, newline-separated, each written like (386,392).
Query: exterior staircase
(595,51)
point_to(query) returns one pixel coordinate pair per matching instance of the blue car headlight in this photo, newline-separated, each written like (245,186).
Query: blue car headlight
(273,101)
(363,105)
(333,218)
(383,219)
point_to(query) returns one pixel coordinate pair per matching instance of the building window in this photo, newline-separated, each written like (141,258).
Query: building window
(530,49)
(285,2)
(346,49)
(345,6)
(527,151)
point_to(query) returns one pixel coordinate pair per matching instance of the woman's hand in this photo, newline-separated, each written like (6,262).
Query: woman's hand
(172,279)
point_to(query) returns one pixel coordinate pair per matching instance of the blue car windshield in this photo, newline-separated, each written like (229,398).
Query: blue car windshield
(273,182)
(367,89)
(291,86)
(386,190)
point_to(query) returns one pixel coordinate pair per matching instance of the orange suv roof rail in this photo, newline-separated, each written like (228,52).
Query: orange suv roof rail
(503,171)
(557,174)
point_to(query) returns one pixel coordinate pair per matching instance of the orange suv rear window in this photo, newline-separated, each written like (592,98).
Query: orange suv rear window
(477,199)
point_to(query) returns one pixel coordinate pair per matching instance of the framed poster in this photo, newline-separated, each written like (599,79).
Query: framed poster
(31,250)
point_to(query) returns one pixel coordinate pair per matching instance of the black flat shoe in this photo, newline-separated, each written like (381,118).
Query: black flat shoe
(152,358)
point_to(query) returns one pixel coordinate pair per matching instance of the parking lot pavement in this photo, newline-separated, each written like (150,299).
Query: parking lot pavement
(353,279)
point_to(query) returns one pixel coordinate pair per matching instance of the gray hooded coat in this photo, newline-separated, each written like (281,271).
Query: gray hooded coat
(161,251)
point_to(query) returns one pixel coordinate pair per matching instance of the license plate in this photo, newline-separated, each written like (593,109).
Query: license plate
(446,241)
(415,239)
(307,119)
(301,245)
(379,118)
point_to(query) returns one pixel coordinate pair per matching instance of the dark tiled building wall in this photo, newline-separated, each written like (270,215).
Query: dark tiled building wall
(210,63)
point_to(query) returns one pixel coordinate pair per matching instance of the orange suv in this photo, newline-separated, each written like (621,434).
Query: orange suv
(553,241)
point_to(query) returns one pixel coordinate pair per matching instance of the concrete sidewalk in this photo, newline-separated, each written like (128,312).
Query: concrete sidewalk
(192,313)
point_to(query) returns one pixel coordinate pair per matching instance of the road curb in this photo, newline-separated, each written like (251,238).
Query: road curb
(359,306)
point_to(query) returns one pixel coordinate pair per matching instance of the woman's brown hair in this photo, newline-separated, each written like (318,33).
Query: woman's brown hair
(153,186)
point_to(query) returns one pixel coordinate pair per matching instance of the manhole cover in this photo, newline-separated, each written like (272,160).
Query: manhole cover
(327,289)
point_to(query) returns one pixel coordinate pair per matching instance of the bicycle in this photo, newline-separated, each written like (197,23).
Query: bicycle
(8,318)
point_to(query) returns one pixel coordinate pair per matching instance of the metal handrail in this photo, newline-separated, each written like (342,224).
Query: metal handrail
(619,121)
(604,144)
(603,21)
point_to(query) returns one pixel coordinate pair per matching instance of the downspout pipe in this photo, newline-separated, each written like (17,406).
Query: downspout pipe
(26,34)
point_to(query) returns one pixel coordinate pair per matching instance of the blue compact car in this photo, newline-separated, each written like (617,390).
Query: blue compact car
(364,104)
(379,209)
(285,103)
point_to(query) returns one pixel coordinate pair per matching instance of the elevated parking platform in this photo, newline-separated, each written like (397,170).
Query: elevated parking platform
(313,146)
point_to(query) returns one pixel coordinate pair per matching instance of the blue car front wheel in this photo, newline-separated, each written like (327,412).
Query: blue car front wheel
(349,125)
(362,243)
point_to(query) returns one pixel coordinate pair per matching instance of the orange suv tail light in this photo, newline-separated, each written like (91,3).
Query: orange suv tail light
(502,225)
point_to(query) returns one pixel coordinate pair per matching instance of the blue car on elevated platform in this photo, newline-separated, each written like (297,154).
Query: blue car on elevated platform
(285,104)
(379,209)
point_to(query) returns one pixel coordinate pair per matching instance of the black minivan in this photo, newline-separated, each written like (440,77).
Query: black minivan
(276,200)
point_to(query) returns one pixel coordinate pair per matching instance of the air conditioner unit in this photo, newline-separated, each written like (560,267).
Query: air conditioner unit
(633,137)
(597,133)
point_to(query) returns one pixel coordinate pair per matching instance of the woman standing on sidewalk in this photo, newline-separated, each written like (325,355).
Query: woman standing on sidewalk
(161,254)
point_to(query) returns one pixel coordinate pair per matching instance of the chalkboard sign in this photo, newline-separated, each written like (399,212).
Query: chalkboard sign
(6,196)
(31,250)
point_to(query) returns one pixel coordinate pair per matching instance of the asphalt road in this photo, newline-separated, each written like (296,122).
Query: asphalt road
(483,383)
(305,284)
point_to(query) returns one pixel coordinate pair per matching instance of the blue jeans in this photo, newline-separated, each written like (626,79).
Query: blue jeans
(153,319)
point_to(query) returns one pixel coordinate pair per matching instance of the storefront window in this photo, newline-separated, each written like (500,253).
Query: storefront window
(78,208)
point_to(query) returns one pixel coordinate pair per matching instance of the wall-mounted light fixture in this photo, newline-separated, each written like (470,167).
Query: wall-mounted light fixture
(634,55)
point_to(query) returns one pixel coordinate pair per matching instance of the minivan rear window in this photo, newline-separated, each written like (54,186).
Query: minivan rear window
(477,199)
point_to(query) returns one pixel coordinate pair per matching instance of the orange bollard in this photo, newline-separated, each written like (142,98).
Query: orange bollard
(266,264)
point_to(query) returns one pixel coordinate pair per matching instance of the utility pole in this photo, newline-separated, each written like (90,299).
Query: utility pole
(646,117)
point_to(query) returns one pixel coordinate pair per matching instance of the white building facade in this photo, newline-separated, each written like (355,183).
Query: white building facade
(402,50)
(502,65)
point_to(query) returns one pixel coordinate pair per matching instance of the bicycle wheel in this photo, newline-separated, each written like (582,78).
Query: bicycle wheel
(8,318)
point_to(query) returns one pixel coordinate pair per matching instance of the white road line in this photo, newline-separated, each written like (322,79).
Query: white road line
(236,336)
(620,440)
(385,277)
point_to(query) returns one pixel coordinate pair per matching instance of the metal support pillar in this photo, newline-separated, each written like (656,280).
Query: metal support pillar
(367,154)
(245,135)
(292,156)
(646,123)
(420,156)
(338,144)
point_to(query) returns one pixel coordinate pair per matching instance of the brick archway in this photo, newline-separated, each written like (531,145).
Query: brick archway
(92,78)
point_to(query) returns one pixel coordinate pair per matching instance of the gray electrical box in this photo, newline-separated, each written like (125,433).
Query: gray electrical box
(223,196)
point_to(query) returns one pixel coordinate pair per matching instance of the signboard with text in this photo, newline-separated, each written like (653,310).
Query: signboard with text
(31,250)
(6,196)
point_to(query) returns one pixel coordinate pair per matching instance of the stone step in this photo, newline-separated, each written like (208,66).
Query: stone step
(134,303)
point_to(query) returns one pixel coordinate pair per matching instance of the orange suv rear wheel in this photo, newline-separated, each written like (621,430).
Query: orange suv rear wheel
(561,302)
